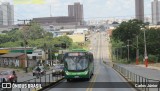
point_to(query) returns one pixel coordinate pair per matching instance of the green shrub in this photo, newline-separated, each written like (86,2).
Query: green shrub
(152,58)
(141,59)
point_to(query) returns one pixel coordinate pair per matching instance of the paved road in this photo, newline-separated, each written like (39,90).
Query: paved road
(102,73)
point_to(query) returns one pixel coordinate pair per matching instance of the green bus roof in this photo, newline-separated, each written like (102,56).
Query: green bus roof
(78,50)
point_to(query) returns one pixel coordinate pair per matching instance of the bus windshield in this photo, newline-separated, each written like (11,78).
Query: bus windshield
(76,63)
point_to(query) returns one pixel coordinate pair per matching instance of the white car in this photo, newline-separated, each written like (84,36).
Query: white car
(58,69)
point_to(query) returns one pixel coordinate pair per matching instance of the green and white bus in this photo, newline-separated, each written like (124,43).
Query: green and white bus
(78,64)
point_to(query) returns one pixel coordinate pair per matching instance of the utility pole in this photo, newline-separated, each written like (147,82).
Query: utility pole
(25,41)
(128,49)
(50,56)
(121,52)
(117,54)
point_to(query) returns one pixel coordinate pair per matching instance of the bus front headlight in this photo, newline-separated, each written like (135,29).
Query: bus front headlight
(67,73)
(86,72)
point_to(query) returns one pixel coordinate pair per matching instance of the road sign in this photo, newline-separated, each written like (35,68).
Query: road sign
(56,54)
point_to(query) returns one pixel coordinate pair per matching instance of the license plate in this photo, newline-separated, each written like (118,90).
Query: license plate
(76,77)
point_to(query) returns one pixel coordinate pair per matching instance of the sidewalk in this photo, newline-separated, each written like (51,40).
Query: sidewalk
(149,72)
(150,66)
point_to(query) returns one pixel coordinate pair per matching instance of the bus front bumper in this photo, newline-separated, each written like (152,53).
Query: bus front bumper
(75,75)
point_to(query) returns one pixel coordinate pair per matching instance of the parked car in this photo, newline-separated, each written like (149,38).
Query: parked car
(8,76)
(42,70)
(58,69)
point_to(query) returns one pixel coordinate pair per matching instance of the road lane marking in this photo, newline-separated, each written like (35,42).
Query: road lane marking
(94,81)
(36,89)
(91,84)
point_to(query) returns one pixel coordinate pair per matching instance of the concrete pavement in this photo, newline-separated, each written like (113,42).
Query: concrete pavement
(149,73)
(153,66)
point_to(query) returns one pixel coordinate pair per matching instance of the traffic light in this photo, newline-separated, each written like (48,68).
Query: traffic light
(22,44)
(57,45)
(63,45)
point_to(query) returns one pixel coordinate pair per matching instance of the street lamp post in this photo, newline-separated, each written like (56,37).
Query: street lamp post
(145,50)
(25,48)
(44,47)
(121,51)
(137,53)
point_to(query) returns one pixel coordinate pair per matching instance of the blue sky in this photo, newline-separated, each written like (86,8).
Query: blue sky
(93,9)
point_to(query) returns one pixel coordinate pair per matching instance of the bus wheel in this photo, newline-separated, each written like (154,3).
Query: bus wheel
(87,79)
(68,80)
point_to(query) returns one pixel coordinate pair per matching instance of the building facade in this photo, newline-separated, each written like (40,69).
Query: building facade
(139,9)
(6,14)
(76,11)
(155,12)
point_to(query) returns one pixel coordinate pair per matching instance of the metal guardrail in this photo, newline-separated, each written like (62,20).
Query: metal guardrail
(44,81)
(138,80)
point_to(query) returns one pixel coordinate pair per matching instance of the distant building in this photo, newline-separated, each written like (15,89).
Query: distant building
(6,14)
(74,18)
(155,12)
(55,20)
(139,9)
(154,26)
(1,17)
(59,22)
(76,11)
(4,28)
(71,10)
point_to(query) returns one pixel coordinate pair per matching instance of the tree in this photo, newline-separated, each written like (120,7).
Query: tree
(35,31)
(64,39)
(127,30)
(115,22)
(4,31)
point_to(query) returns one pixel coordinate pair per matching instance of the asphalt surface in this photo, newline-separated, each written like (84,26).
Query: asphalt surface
(103,74)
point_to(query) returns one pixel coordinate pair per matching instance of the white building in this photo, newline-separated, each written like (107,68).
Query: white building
(81,31)
(6,14)
(38,54)
(155,11)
